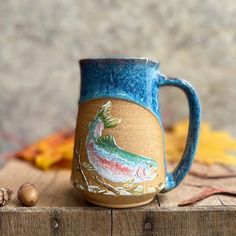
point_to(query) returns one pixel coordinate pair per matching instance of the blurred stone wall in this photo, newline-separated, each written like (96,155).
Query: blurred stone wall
(41,42)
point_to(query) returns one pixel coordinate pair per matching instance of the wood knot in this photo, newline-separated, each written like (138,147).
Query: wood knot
(147,226)
(55,223)
(148,223)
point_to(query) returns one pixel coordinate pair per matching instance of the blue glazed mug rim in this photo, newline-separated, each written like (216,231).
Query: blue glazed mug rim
(128,60)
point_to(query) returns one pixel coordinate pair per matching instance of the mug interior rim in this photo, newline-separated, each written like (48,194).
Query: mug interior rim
(120,60)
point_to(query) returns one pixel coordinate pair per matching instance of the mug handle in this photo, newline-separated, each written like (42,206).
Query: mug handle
(174,178)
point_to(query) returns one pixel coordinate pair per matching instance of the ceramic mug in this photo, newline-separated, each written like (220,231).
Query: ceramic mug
(119,150)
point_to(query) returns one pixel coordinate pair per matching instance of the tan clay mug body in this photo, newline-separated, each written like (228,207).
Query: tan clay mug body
(119,151)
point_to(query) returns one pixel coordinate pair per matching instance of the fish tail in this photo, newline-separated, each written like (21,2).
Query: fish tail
(105,114)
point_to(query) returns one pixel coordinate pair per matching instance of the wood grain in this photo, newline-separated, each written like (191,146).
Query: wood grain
(62,211)
(55,221)
(175,221)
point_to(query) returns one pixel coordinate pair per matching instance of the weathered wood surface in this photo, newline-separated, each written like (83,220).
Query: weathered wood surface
(61,211)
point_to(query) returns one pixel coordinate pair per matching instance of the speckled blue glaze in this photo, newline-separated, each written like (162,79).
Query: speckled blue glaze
(130,79)
(139,80)
(174,179)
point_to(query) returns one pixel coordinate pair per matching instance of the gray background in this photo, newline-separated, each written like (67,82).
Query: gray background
(41,42)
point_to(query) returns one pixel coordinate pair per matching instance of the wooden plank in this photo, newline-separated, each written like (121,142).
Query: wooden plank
(14,174)
(227,200)
(62,211)
(174,197)
(229,183)
(176,221)
(55,189)
(214,170)
(55,192)
(52,221)
(185,191)
(190,187)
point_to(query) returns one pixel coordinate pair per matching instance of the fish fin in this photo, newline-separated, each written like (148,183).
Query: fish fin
(105,114)
(88,166)
(107,140)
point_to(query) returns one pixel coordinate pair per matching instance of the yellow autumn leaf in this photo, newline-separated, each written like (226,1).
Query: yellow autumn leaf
(215,147)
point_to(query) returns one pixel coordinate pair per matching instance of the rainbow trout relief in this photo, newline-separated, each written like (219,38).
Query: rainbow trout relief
(110,161)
